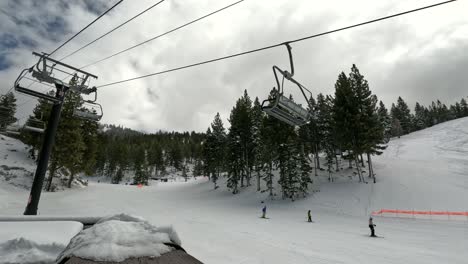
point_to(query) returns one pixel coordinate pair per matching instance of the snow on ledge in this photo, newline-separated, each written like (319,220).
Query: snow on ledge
(120,237)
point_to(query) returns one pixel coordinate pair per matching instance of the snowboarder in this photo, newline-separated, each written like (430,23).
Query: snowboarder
(309,217)
(371,226)
(264,212)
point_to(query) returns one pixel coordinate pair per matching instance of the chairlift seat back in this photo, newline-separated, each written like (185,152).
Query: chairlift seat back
(287,111)
(87,115)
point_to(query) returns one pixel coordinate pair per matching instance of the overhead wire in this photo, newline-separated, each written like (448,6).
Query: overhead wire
(83,29)
(163,34)
(277,45)
(112,30)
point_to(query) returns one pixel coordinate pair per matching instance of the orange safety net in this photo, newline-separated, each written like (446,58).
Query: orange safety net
(412,212)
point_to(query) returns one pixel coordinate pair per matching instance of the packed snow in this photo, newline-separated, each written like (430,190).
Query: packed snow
(121,237)
(425,170)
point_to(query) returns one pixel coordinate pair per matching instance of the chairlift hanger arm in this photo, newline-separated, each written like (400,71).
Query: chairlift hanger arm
(44,57)
(289,76)
(291,62)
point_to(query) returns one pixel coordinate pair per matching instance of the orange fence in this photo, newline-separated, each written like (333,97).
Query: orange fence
(413,212)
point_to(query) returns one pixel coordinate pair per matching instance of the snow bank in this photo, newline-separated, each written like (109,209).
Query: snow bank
(34,242)
(21,250)
(120,237)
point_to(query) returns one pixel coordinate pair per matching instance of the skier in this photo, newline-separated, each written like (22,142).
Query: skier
(264,212)
(309,217)
(371,226)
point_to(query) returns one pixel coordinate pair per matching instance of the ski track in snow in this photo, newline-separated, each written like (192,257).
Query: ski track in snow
(426,170)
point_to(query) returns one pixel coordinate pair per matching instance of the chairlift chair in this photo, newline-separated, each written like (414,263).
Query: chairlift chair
(13,130)
(35,125)
(281,107)
(89,110)
(43,72)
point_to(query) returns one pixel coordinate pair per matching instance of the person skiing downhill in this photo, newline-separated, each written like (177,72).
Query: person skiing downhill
(264,212)
(309,217)
(371,226)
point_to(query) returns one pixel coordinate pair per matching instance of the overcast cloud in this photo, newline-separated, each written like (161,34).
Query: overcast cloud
(421,57)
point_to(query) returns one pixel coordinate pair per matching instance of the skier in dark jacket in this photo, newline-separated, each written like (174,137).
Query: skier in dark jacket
(309,216)
(371,226)
(264,212)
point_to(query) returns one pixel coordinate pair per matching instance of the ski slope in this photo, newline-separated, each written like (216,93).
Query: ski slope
(426,170)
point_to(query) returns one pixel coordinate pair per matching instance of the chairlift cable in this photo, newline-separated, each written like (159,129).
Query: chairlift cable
(112,30)
(163,34)
(275,45)
(83,29)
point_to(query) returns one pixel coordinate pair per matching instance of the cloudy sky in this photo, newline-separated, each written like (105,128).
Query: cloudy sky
(421,57)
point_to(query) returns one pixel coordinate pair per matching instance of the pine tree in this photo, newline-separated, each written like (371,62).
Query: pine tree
(89,132)
(293,183)
(463,107)
(239,144)
(385,120)
(208,156)
(328,135)
(234,162)
(401,112)
(69,146)
(140,166)
(345,110)
(304,169)
(313,134)
(175,156)
(355,116)
(155,158)
(420,118)
(257,121)
(268,150)
(7,110)
(218,147)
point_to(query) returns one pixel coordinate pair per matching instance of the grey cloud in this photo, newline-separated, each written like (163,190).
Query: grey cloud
(419,57)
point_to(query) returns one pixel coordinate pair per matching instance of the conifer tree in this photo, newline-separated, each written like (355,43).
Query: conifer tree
(208,156)
(257,121)
(69,147)
(305,169)
(239,144)
(385,120)
(7,110)
(401,112)
(420,118)
(218,148)
(463,107)
(140,166)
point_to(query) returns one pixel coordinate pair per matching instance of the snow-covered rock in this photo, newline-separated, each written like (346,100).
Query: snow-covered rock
(120,237)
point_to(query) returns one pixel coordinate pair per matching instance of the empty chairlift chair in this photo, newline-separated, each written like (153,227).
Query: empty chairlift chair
(89,110)
(52,73)
(283,108)
(35,125)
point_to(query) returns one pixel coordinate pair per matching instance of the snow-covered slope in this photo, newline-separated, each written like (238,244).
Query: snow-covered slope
(17,168)
(425,170)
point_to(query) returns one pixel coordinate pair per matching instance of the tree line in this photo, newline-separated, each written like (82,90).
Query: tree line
(256,149)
